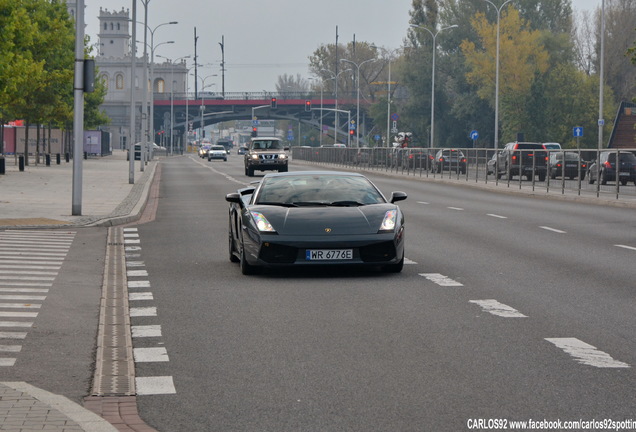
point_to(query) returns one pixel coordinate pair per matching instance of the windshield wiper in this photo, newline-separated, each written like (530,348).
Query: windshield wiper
(346,204)
(281,204)
(309,204)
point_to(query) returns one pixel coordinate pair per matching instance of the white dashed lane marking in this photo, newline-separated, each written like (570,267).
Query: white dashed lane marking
(497,216)
(586,354)
(499,309)
(440,279)
(155,385)
(558,231)
(626,247)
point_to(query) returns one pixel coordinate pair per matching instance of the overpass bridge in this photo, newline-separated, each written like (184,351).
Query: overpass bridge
(210,108)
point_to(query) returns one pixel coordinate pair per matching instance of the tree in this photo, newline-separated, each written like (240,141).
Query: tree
(522,57)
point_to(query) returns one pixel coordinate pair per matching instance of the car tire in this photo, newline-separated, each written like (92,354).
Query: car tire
(542,177)
(246,268)
(624,182)
(394,268)
(250,172)
(601,178)
(225,160)
(284,169)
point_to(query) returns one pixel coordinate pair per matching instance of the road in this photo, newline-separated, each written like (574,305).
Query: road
(509,307)
(339,350)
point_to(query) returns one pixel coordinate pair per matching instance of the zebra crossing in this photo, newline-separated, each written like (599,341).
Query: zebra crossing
(29,263)
(141,307)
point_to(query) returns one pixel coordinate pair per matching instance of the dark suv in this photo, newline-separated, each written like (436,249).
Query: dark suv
(606,170)
(266,154)
(522,159)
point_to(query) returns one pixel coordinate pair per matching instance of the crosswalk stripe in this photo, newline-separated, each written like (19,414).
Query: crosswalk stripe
(16,324)
(21,297)
(139,284)
(18,314)
(7,361)
(143,311)
(19,306)
(13,335)
(155,385)
(10,348)
(140,296)
(140,331)
(146,355)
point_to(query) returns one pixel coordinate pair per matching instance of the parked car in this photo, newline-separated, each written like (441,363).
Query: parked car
(523,159)
(217,152)
(605,168)
(491,165)
(566,164)
(552,146)
(418,158)
(449,160)
(315,218)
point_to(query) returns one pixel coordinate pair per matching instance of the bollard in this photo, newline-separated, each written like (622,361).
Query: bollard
(47,157)
(2,165)
(85,155)
(21,163)
(67,156)
(57,158)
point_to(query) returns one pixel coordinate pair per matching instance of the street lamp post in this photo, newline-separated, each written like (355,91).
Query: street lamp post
(434,36)
(498,9)
(336,111)
(358,96)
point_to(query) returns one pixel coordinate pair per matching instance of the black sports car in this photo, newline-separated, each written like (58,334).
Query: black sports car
(315,218)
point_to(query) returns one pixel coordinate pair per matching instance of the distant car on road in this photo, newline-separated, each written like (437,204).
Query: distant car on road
(203,150)
(241,150)
(606,170)
(266,154)
(217,152)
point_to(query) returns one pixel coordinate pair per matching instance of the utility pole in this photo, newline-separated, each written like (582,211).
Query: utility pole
(78,115)
(222,43)
(196,60)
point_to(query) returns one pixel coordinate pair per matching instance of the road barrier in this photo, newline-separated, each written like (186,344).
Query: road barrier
(480,166)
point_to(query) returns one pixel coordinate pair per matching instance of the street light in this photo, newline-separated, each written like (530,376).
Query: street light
(498,9)
(173,62)
(358,97)
(388,94)
(152,82)
(431,141)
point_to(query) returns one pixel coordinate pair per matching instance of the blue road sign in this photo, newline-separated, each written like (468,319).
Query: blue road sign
(577,131)
(474,135)
(395,117)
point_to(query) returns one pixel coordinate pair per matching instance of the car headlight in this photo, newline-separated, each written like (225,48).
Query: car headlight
(282,156)
(262,223)
(254,156)
(389,222)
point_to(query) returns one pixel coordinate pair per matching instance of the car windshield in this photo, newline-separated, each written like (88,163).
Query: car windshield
(321,190)
(217,148)
(267,145)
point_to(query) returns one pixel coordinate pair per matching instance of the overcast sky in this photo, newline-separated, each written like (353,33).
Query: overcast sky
(264,38)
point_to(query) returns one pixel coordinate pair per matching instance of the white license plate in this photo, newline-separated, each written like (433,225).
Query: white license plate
(328,254)
(268,161)
(624,174)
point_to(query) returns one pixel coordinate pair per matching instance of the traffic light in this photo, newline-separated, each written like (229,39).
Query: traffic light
(254,131)
(352,132)
(273,102)
(307,105)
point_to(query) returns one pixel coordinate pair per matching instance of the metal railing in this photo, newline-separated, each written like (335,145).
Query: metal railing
(480,165)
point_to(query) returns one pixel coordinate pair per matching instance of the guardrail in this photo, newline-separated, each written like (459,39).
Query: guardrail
(481,165)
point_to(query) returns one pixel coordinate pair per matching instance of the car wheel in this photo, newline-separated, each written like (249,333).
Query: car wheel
(624,182)
(541,177)
(250,172)
(246,268)
(590,179)
(225,160)
(283,169)
(601,178)
(394,268)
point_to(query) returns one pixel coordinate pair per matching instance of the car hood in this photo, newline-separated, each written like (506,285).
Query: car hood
(312,221)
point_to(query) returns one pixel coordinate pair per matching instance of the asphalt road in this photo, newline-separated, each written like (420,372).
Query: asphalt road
(424,350)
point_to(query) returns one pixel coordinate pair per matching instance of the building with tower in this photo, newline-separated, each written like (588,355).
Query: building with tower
(113,60)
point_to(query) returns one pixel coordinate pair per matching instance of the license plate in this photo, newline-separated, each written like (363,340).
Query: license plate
(268,161)
(624,174)
(328,254)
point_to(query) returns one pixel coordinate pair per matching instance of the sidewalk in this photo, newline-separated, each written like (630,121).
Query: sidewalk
(42,197)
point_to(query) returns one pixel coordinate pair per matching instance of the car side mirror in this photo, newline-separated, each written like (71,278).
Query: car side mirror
(233,198)
(397,196)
